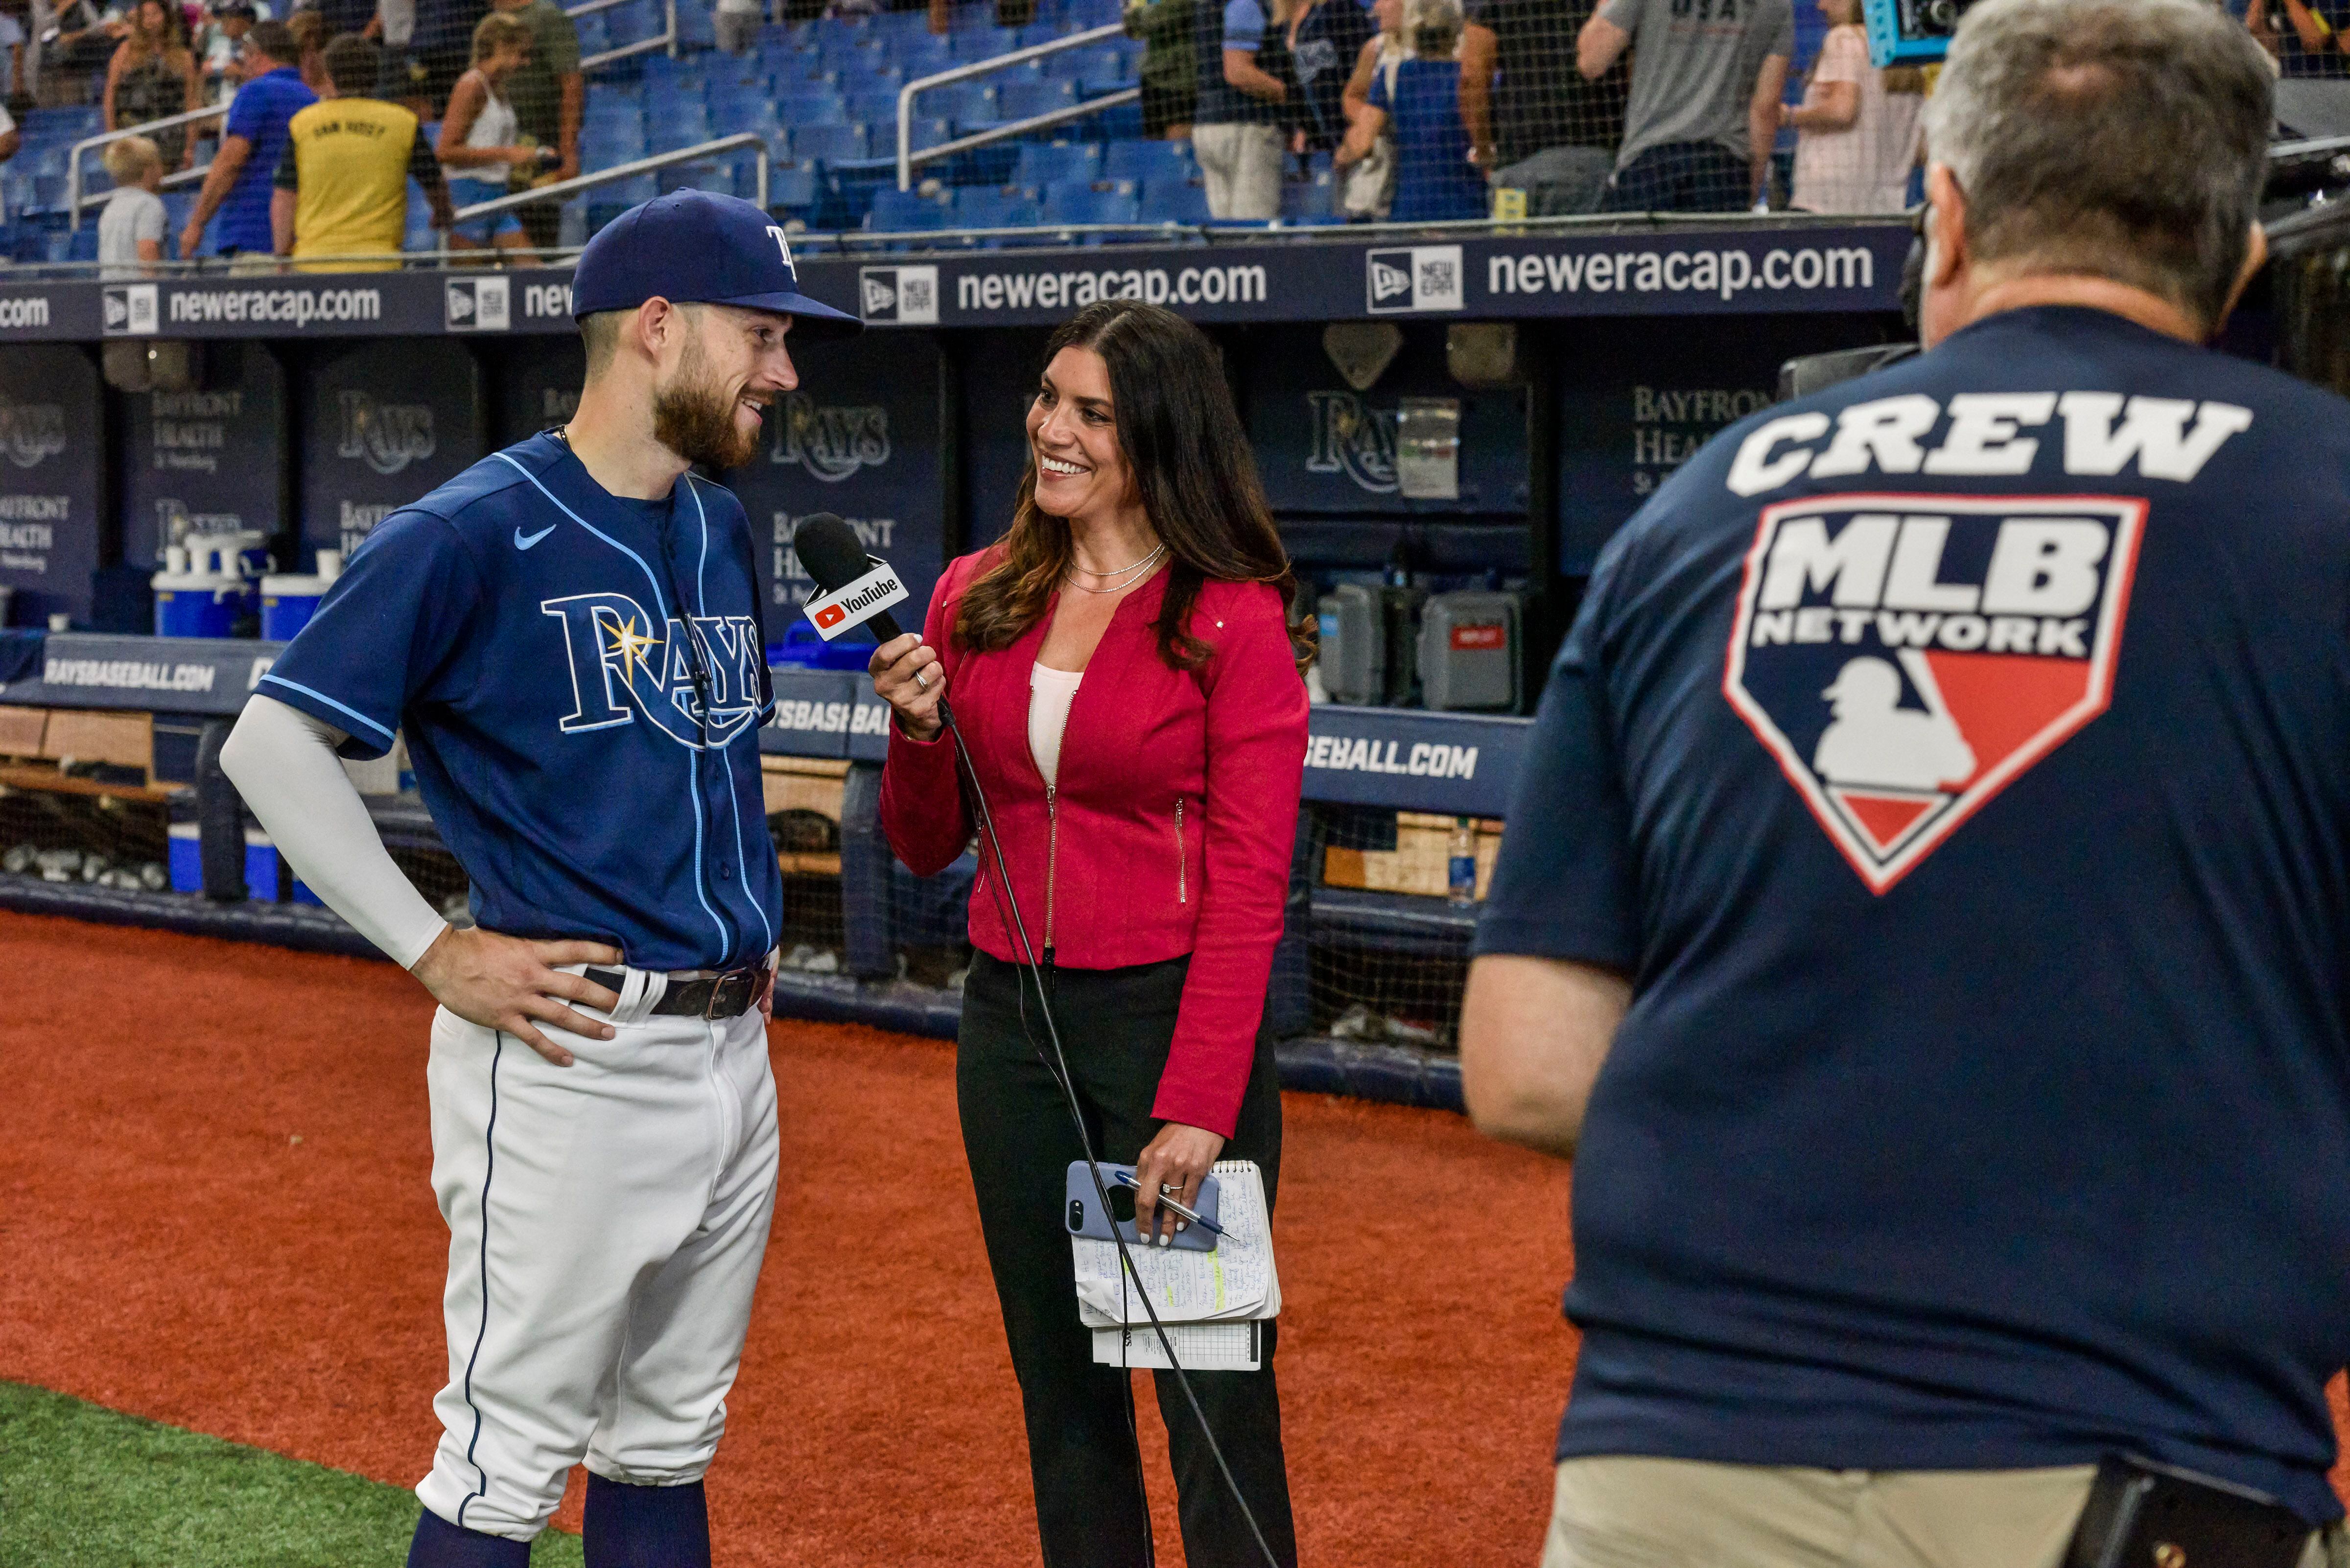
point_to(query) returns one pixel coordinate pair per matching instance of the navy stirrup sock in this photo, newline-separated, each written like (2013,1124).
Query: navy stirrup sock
(441,1544)
(647,1526)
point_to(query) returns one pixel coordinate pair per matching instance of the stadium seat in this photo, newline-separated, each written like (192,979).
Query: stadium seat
(801,108)
(1310,202)
(1174,201)
(997,207)
(981,43)
(921,55)
(968,104)
(1026,100)
(828,143)
(1043,163)
(1093,202)
(873,108)
(792,187)
(82,244)
(1147,160)
(900,211)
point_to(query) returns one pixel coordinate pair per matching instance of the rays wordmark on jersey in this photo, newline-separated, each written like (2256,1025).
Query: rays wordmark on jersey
(621,667)
(1905,656)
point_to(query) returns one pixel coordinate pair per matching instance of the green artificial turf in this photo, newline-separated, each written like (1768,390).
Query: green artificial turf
(85,1487)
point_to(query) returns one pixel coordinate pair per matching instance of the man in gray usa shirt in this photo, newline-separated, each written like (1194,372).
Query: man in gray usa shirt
(1707,75)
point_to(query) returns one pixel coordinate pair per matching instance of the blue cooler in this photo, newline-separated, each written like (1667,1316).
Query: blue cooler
(288,602)
(193,602)
(187,858)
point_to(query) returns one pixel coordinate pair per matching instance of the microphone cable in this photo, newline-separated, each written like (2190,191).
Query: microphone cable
(1057,1065)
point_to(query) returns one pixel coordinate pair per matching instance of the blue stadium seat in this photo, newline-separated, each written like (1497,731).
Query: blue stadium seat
(730,115)
(695,29)
(1043,163)
(1095,202)
(1105,71)
(1146,162)
(82,244)
(1121,122)
(996,207)
(1310,202)
(594,37)
(968,104)
(895,212)
(828,143)
(800,109)
(1025,100)
(921,55)
(872,107)
(926,130)
(1037,33)
(680,130)
(1174,200)
(793,187)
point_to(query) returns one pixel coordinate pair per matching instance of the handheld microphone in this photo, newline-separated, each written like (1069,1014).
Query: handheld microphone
(859,589)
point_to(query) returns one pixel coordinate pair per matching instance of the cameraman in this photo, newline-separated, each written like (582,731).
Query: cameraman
(1944,995)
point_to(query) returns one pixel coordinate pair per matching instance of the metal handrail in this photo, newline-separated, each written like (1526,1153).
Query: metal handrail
(563,189)
(74,202)
(907,158)
(664,40)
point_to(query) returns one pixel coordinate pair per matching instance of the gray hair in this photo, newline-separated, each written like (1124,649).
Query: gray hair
(2121,138)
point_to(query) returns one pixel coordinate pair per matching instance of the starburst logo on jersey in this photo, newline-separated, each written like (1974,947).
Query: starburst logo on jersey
(624,662)
(1907,657)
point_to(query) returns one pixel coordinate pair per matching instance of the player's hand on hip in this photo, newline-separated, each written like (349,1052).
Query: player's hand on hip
(507,983)
(1178,1159)
(908,677)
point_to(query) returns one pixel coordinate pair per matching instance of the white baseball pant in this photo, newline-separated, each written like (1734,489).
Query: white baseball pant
(606,1225)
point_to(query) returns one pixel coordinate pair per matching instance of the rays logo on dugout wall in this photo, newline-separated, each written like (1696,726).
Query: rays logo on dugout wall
(831,444)
(386,436)
(31,432)
(1907,657)
(1354,439)
(621,667)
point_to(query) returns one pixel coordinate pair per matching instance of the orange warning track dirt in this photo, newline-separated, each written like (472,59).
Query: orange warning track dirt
(214,1210)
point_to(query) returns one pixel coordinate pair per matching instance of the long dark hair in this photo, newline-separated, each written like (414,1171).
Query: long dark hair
(1190,461)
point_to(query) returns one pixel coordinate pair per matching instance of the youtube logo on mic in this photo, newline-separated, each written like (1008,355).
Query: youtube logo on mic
(852,604)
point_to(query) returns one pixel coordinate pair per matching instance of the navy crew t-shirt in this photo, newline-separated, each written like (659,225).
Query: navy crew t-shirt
(1959,761)
(580,679)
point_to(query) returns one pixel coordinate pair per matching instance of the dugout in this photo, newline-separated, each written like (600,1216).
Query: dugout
(1485,428)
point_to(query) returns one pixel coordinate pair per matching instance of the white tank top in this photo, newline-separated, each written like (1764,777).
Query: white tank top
(496,126)
(1050,692)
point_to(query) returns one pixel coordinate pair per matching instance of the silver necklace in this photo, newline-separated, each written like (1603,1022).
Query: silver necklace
(1070,576)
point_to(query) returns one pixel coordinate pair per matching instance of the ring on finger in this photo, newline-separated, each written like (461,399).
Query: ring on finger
(922,679)
(1170,1189)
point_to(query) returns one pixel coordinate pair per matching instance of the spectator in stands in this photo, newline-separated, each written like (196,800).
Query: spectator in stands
(394,28)
(736,24)
(11,139)
(309,30)
(342,184)
(1704,104)
(1170,71)
(479,149)
(442,44)
(1539,126)
(341,15)
(1856,129)
(252,143)
(1239,108)
(83,38)
(1435,181)
(12,51)
(1370,188)
(2305,35)
(130,227)
(152,75)
(217,44)
(549,94)
(1325,36)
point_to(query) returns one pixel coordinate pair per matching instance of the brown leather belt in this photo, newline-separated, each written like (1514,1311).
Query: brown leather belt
(700,992)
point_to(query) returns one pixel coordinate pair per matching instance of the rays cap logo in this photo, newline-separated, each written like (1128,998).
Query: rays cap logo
(1906,658)
(696,247)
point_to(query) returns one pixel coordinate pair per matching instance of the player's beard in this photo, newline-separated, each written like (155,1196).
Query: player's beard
(694,417)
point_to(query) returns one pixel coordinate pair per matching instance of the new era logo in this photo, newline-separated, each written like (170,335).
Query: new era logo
(1414,277)
(129,310)
(899,296)
(1906,658)
(479,304)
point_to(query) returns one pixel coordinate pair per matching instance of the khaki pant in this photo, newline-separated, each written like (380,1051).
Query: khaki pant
(1625,1512)
(1240,165)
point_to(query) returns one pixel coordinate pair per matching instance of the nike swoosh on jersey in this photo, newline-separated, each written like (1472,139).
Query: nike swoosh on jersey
(523,543)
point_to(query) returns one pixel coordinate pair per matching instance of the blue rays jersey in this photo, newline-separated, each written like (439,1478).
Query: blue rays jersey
(1959,761)
(581,679)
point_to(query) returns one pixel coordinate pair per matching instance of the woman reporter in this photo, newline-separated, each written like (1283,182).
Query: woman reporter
(1124,668)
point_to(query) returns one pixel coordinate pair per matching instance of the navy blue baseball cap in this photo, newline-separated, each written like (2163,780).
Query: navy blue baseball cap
(696,247)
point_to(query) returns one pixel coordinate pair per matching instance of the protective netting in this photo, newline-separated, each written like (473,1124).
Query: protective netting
(1387,934)
(67,836)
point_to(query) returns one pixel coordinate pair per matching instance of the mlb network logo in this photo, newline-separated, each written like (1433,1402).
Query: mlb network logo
(1906,658)
(1415,277)
(479,304)
(130,311)
(899,296)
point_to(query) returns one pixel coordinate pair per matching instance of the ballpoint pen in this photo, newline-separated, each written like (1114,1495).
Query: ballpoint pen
(1210,1226)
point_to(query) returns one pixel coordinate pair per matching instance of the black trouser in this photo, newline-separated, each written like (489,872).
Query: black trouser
(1116,1025)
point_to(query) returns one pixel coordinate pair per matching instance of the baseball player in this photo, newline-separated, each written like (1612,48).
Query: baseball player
(569,635)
